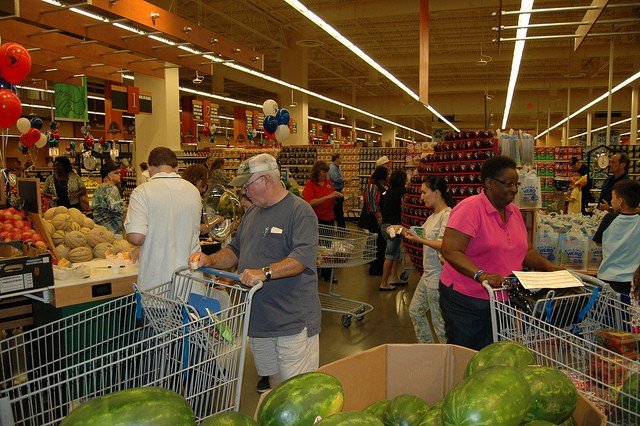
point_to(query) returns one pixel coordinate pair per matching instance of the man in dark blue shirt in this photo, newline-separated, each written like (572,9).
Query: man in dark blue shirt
(618,166)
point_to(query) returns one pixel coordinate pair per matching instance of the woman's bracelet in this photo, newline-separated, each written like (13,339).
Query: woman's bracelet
(478,274)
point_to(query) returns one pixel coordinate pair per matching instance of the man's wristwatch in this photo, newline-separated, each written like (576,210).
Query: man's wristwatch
(267,273)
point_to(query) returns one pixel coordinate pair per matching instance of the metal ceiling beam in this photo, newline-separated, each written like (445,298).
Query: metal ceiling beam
(590,16)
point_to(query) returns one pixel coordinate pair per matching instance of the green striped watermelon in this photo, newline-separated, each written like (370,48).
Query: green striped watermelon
(404,410)
(300,399)
(433,417)
(377,408)
(348,418)
(553,395)
(496,396)
(138,406)
(229,418)
(512,354)
(629,399)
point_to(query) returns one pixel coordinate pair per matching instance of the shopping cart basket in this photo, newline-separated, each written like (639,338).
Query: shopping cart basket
(121,344)
(561,331)
(343,248)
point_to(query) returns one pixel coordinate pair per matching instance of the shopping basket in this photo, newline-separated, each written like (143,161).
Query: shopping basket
(121,344)
(342,248)
(572,345)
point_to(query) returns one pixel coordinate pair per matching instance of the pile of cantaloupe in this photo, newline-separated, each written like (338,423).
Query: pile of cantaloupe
(77,239)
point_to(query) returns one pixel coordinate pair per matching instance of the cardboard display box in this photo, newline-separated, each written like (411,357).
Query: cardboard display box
(23,272)
(428,371)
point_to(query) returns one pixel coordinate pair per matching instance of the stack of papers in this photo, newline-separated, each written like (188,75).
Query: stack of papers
(556,279)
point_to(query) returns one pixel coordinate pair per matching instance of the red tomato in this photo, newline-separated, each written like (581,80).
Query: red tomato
(7,215)
(16,216)
(36,237)
(18,223)
(6,226)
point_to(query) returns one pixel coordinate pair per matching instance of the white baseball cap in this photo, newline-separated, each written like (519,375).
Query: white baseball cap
(382,161)
(256,164)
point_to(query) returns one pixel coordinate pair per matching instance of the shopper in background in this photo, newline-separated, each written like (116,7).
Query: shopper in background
(198,175)
(319,193)
(635,302)
(276,243)
(426,298)
(619,235)
(64,186)
(108,206)
(575,194)
(217,175)
(144,175)
(583,170)
(391,215)
(618,166)
(163,218)
(371,215)
(384,162)
(338,181)
(485,240)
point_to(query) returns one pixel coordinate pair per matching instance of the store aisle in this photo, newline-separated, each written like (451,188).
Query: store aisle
(389,322)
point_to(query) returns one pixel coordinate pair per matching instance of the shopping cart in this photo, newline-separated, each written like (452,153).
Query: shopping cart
(562,332)
(344,248)
(187,335)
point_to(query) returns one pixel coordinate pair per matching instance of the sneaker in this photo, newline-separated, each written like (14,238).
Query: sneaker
(263,384)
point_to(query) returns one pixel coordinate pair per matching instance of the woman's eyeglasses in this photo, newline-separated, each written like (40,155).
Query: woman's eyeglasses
(508,185)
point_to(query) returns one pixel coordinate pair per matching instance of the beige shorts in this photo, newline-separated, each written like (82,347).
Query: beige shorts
(286,355)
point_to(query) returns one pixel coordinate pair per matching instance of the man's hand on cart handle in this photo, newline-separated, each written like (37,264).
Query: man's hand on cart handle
(251,277)
(197,260)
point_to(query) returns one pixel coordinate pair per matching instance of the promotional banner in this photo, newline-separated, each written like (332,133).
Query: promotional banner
(71,102)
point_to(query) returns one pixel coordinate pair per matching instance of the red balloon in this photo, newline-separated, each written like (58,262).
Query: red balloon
(33,136)
(15,62)
(269,136)
(10,109)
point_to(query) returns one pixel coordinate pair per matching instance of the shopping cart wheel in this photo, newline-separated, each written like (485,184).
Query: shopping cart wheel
(360,314)
(404,276)
(346,320)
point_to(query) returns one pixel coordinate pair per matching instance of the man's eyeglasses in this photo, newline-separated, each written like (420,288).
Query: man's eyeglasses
(244,188)
(508,185)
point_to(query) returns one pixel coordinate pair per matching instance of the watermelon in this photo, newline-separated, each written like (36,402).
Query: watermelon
(553,394)
(300,399)
(229,418)
(348,418)
(404,410)
(629,399)
(512,354)
(137,406)
(433,416)
(377,408)
(494,396)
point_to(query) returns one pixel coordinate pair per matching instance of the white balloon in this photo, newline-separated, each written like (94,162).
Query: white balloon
(269,107)
(23,124)
(282,132)
(254,133)
(42,141)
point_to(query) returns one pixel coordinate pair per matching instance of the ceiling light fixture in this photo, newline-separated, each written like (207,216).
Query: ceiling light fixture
(523,21)
(624,83)
(358,52)
(617,123)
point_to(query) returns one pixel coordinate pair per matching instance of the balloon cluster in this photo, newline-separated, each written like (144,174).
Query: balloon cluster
(87,137)
(30,134)
(15,64)
(251,134)
(53,137)
(276,121)
(103,144)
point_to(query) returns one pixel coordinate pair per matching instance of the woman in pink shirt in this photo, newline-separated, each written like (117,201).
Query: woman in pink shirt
(485,240)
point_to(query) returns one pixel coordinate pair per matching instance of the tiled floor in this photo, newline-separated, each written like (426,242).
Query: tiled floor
(389,322)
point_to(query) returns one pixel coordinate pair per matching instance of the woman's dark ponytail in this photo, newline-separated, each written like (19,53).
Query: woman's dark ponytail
(437,183)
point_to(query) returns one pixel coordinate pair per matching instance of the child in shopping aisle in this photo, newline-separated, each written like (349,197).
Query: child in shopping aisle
(575,196)
(426,299)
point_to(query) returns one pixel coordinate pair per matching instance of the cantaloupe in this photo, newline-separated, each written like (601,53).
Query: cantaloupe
(87,222)
(81,254)
(121,245)
(58,237)
(99,251)
(75,239)
(76,216)
(85,230)
(99,234)
(62,221)
(49,214)
(48,227)
(62,251)
(75,227)
(60,210)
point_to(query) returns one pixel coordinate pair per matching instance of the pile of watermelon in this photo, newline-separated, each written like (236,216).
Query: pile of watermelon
(502,386)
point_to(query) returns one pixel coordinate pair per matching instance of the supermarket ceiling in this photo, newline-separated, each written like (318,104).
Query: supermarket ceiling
(468,69)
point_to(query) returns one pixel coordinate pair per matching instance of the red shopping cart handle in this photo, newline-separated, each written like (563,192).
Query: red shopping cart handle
(220,274)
